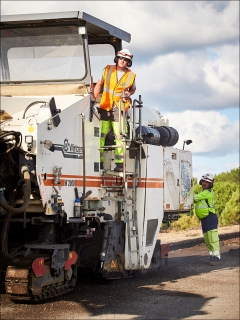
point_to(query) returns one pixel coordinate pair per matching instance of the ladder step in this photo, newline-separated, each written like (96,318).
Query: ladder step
(134,236)
(111,187)
(112,198)
(133,251)
(112,146)
(118,174)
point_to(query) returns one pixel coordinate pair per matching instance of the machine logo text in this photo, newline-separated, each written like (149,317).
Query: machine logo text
(69,150)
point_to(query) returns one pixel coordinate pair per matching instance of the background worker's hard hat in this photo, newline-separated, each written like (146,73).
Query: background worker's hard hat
(207,177)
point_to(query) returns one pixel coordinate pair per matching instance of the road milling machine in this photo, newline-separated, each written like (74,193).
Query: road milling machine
(60,213)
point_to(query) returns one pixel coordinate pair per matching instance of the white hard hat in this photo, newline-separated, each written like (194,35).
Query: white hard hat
(208,177)
(125,53)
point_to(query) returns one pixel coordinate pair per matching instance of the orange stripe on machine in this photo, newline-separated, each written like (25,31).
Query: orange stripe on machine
(94,181)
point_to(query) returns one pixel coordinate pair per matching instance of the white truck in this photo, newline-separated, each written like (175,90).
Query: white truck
(60,213)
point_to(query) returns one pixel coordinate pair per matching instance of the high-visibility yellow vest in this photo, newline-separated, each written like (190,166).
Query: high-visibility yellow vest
(113,89)
(204,202)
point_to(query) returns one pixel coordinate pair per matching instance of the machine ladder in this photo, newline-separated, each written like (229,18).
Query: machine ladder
(126,194)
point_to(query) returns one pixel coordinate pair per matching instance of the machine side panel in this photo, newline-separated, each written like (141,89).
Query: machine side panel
(149,210)
(186,185)
(171,179)
(67,155)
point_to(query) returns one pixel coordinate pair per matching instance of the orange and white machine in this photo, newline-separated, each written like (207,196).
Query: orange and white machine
(69,214)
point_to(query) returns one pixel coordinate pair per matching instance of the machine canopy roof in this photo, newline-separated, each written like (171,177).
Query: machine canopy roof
(95,27)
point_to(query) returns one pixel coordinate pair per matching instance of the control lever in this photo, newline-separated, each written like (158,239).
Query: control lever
(95,112)
(83,197)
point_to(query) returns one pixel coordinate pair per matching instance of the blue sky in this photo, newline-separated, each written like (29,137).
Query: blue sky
(186,57)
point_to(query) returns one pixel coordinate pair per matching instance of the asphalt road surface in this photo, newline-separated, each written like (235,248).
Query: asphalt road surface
(187,289)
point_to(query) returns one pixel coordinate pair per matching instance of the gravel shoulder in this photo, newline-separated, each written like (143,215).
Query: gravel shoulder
(173,237)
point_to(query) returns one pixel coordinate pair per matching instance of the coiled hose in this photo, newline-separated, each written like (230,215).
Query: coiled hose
(27,194)
(10,210)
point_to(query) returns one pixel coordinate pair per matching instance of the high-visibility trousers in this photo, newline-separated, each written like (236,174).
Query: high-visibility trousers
(211,240)
(106,124)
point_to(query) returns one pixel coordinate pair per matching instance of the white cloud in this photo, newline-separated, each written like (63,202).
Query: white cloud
(222,73)
(214,165)
(195,80)
(230,166)
(212,133)
(186,57)
(156,26)
(169,26)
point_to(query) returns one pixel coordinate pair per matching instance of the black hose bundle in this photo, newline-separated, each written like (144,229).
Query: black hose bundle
(12,138)
(11,210)
(27,194)
(4,237)
(5,231)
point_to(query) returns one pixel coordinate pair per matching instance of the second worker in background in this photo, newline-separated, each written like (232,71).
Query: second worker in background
(205,211)
(117,81)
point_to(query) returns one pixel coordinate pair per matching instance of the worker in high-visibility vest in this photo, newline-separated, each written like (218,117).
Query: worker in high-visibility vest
(204,209)
(118,81)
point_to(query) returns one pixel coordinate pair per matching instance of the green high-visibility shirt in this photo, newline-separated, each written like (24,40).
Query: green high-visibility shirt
(204,203)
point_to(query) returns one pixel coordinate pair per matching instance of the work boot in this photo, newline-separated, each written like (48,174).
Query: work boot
(119,167)
(208,260)
(214,261)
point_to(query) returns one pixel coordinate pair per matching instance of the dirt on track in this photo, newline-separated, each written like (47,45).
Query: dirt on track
(187,289)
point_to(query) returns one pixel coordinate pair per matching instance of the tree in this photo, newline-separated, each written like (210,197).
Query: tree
(232,177)
(231,212)
(222,194)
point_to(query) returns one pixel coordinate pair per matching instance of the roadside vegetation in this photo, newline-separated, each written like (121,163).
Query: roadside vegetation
(226,191)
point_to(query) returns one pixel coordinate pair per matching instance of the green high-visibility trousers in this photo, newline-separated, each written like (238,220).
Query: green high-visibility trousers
(211,240)
(106,124)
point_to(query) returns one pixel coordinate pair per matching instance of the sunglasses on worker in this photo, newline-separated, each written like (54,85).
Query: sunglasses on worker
(125,59)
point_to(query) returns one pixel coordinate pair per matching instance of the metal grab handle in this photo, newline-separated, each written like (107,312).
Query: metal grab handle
(135,102)
(120,118)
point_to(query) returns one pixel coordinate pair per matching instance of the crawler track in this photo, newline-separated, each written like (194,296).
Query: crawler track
(48,293)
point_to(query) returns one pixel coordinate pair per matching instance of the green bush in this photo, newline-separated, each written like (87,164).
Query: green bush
(185,222)
(231,213)
(197,188)
(233,176)
(222,194)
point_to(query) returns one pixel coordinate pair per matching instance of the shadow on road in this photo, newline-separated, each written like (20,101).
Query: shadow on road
(152,295)
(144,296)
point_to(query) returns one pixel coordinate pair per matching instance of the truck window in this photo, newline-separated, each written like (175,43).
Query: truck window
(100,56)
(42,54)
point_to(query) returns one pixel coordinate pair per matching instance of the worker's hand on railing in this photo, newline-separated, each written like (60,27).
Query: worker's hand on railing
(126,94)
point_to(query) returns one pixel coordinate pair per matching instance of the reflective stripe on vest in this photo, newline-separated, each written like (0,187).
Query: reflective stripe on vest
(204,203)
(113,90)
(202,206)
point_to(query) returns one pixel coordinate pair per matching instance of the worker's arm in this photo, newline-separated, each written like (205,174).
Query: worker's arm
(97,88)
(203,195)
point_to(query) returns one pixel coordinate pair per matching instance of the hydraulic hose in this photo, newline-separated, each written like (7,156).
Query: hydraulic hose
(83,152)
(30,105)
(27,193)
